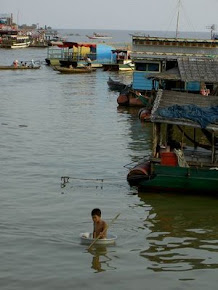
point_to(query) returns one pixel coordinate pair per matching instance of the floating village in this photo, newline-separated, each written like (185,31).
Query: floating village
(174,86)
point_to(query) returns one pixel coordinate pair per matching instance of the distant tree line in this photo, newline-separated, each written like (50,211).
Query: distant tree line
(33,26)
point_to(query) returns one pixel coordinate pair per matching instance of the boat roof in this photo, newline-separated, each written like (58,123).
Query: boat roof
(166,99)
(198,69)
(191,69)
(70,44)
(172,74)
(118,50)
(173,39)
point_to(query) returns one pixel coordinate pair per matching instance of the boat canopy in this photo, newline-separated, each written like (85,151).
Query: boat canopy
(76,44)
(119,51)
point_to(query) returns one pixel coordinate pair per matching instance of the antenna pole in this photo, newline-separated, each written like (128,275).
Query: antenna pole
(177,24)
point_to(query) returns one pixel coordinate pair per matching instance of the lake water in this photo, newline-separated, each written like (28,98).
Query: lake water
(55,125)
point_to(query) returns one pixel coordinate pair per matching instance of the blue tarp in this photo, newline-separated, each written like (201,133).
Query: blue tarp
(203,116)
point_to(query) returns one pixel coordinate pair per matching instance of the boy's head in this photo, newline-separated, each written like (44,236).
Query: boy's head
(96,214)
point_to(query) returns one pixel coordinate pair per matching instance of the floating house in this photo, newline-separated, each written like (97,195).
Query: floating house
(155,55)
(73,53)
(158,54)
(190,74)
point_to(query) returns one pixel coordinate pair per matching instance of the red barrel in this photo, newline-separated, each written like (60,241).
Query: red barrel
(168,158)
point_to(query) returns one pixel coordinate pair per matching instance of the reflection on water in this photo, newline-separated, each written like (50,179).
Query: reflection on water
(183,232)
(101,260)
(140,141)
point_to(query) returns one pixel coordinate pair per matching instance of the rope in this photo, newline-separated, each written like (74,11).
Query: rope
(66,179)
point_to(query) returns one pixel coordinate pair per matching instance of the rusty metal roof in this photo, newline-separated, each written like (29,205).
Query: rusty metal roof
(191,69)
(198,69)
(171,74)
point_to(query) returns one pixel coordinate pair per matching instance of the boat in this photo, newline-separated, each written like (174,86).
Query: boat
(15,41)
(87,239)
(96,35)
(76,54)
(132,98)
(53,38)
(116,85)
(184,155)
(74,70)
(22,65)
(120,61)
(11,67)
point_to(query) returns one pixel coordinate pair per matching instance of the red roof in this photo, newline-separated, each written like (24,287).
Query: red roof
(76,44)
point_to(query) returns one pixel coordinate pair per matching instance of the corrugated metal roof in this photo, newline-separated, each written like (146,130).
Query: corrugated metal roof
(198,69)
(166,99)
(140,55)
(190,70)
(171,74)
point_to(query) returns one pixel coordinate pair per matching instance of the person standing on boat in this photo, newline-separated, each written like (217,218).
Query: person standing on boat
(99,226)
(32,63)
(88,61)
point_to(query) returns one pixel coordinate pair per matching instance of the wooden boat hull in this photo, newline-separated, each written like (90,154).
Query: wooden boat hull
(18,68)
(135,102)
(175,178)
(123,100)
(102,37)
(129,100)
(77,70)
(86,239)
(116,85)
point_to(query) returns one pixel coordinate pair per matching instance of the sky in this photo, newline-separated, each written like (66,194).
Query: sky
(137,15)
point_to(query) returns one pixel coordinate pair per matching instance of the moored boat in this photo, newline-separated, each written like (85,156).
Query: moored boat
(74,70)
(116,85)
(185,145)
(15,41)
(96,35)
(11,67)
(22,65)
(120,61)
(133,98)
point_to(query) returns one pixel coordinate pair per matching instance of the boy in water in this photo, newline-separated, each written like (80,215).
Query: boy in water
(99,226)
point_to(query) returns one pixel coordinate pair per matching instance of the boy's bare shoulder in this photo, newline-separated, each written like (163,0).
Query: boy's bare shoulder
(104,223)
